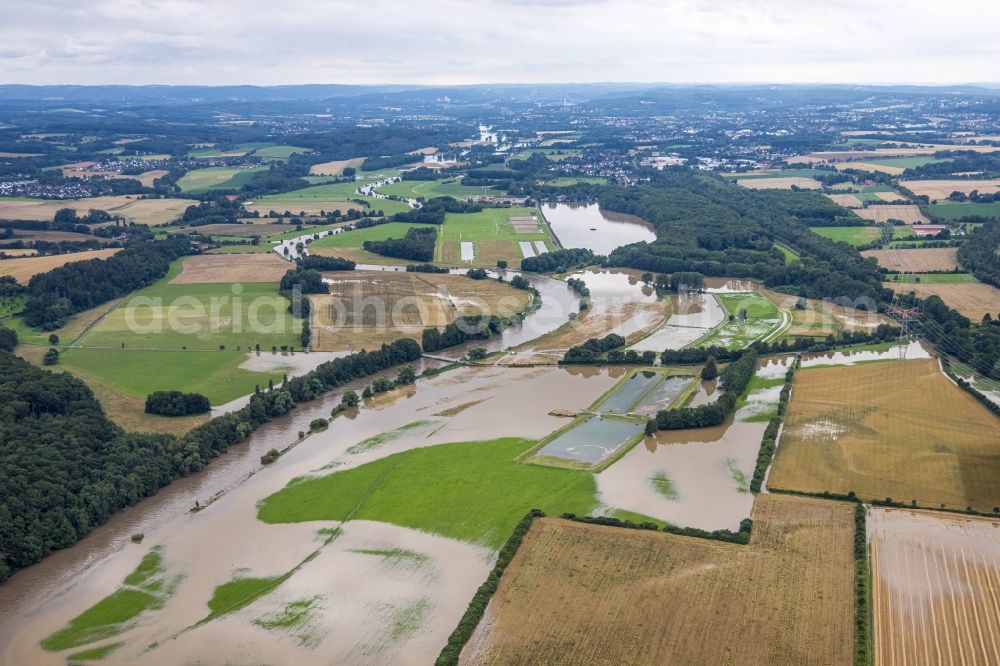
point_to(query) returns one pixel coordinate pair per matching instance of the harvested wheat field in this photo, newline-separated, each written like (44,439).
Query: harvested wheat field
(890,196)
(367,308)
(898,429)
(973,299)
(336,167)
(845,200)
(779,183)
(151,212)
(907,213)
(23,268)
(916,261)
(940,189)
(936,585)
(588,594)
(223,268)
(19,252)
(869,166)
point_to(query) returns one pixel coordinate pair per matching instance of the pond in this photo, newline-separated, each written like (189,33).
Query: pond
(663,396)
(601,231)
(592,441)
(630,393)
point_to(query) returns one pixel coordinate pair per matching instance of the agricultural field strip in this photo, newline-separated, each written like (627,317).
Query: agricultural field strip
(717,330)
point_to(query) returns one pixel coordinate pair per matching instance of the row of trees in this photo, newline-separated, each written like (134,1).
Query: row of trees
(434,210)
(67,468)
(978,254)
(560,261)
(593,349)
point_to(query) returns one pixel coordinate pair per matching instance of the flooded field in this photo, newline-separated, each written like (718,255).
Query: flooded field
(693,316)
(601,231)
(405,620)
(693,478)
(631,392)
(663,396)
(936,582)
(592,441)
(619,303)
(909,351)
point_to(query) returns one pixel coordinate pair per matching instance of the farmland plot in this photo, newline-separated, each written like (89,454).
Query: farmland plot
(920,260)
(23,268)
(973,299)
(936,583)
(884,212)
(587,594)
(898,429)
(208,268)
(940,189)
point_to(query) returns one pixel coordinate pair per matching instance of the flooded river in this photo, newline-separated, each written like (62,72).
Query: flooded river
(225,540)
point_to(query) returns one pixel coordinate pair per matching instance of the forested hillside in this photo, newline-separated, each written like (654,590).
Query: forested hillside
(65,468)
(707,225)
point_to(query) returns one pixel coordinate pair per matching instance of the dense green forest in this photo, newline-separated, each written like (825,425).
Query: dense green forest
(55,296)
(65,468)
(707,225)
(978,254)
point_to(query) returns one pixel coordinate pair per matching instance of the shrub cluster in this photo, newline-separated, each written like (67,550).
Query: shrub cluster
(175,403)
(591,350)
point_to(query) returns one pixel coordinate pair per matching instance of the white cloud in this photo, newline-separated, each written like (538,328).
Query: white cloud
(456,41)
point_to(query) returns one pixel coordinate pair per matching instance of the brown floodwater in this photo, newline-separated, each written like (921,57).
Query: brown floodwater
(697,477)
(225,540)
(936,582)
(579,225)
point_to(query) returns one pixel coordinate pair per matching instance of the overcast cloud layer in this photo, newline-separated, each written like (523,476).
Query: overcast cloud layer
(483,41)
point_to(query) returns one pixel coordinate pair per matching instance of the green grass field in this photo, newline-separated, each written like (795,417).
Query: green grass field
(216,178)
(198,317)
(278,152)
(856,236)
(492,233)
(428,189)
(905,162)
(790,255)
(318,195)
(955,211)
(471,491)
(900,232)
(564,181)
(934,278)
(352,242)
(756,305)
(216,375)
(242,148)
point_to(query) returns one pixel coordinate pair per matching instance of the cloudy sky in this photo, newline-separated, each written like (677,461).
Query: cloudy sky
(480,41)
